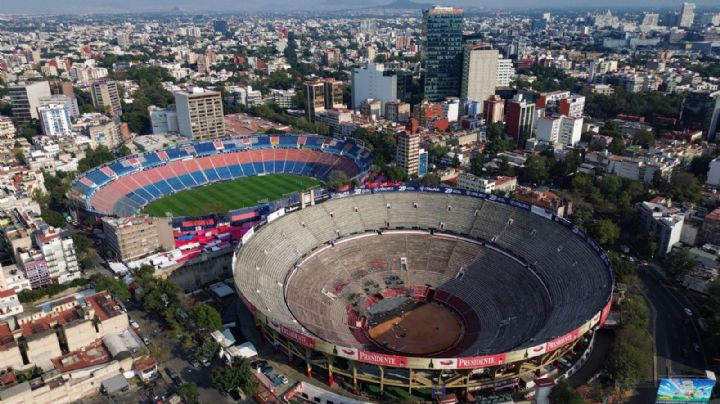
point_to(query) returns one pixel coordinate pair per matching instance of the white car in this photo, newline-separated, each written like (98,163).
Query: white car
(134,324)
(688,312)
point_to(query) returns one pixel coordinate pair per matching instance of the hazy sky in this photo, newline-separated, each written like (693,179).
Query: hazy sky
(95,6)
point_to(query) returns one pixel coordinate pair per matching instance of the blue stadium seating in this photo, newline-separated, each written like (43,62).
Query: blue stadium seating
(205,149)
(211,175)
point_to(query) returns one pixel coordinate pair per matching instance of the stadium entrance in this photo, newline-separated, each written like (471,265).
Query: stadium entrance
(404,326)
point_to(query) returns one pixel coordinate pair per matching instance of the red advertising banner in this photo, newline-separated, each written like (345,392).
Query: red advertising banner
(297,337)
(562,341)
(481,361)
(382,359)
(605,312)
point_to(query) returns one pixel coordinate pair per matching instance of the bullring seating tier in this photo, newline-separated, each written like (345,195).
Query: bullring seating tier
(124,186)
(506,304)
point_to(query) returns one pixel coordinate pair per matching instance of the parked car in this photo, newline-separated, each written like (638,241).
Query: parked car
(266,370)
(283,379)
(195,363)
(688,311)
(146,341)
(134,324)
(205,362)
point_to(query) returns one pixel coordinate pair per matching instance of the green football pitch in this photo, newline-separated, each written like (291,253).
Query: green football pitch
(229,195)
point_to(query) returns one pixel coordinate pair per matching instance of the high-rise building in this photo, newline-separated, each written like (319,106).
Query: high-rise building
(163,120)
(333,94)
(505,72)
(69,102)
(200,113)
(443,30)
(372,81)
(408,152)
(397,111)
(105,94)
(220,26)
(58,251)
(494,109)
(479,75)
(55,120)
(131,238)
(687,15)
(559,130)
(519,123)
(25,98)
(314,99)
(651,19)
(105,132)
(573,106)
(123,40)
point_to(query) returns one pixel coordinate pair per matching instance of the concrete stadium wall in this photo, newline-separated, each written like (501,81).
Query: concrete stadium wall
(208,268)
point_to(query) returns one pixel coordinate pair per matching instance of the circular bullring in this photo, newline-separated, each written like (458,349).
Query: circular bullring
(124,186)
(378,277)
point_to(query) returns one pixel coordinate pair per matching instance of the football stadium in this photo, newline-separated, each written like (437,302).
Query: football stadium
(424,290)
(128,185)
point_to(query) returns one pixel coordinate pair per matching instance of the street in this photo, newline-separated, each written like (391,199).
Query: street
(678,344)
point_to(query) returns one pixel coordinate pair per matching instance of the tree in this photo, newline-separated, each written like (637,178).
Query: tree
(94,158)
(206,317)
(239,374)
(53,218)
(677,264)
(159,352)
(20,157)
(189,391)
(430,180)
(116,287)
(685,187)
(82,242)
(644,138)
(562,393)
(337,179)
(605,232)
(536,169)
(209,348)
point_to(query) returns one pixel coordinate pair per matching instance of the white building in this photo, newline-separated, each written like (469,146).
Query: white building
(559,130)
(479,76)
(70,103)
(451,109)
(372,81)
(283,98)
(474,183)
(55,120)
(664,221)
(246,96)
(713,176)
(7,128)
(59,253)
(505,72)
(163,120)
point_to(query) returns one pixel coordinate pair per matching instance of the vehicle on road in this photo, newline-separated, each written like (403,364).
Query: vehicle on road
(195,363)
(205,362)
(134,324)
(259,364)
(696,347)
(266,370)
(283,379)
(688,311)
(174,377)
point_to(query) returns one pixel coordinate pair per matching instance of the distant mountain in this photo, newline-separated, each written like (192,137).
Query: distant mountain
(404,5)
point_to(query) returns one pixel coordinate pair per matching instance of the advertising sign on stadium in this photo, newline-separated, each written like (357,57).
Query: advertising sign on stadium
(684,390)
(605,312)
(382,359)
(474,362)
(562,341)
(297,337)
(349,353)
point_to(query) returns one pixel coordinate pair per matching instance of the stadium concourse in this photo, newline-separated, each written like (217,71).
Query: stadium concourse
(124,186)
(354,284)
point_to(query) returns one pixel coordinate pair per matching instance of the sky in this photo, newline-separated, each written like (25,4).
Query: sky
(115,6)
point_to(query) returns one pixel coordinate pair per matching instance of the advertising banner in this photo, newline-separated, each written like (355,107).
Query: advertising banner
(684,390)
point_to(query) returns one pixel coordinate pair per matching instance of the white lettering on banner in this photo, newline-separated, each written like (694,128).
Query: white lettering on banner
(380,359)
(562,341)
(481,361)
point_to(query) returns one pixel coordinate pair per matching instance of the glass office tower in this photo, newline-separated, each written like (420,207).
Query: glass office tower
(443,28)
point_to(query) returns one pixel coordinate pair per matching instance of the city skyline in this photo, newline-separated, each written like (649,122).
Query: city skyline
(133,6)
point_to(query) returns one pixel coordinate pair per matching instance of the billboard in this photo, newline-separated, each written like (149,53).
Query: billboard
(684,390)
